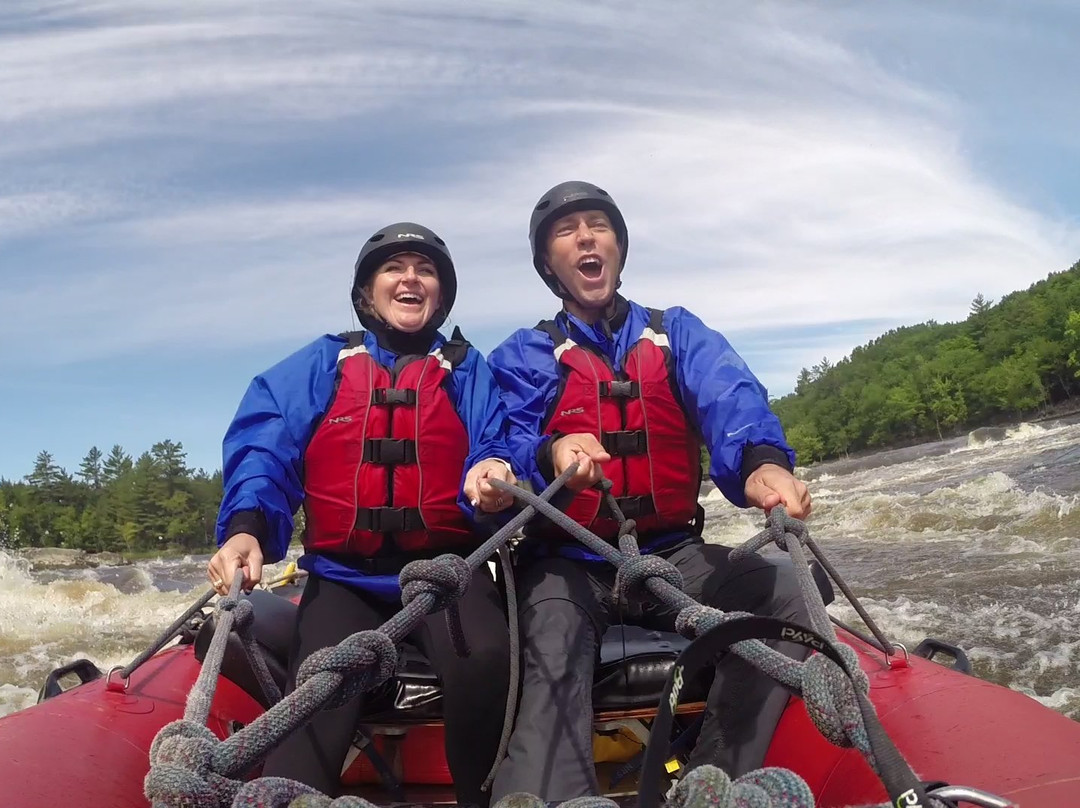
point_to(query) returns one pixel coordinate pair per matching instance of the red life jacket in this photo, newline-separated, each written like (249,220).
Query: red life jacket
(637,414)
(383,469)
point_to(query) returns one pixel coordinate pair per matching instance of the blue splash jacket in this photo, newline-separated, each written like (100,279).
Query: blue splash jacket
(264,447)
(726,402)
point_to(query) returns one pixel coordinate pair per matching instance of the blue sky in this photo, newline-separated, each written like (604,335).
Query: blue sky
(184,185)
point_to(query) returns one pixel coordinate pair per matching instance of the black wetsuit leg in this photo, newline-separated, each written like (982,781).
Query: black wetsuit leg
(474,687)
(564,614)
(744,705)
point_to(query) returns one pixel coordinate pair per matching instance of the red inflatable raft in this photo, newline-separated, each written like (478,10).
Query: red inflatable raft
(89,745)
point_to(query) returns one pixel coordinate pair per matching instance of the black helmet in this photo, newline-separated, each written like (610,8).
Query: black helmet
(564,198)
(406,237)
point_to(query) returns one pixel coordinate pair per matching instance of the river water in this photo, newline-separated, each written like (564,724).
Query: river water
(976,543)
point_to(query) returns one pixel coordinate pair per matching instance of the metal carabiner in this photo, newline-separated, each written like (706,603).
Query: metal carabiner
(975,796)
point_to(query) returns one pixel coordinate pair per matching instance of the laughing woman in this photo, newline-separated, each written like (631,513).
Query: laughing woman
(388,438)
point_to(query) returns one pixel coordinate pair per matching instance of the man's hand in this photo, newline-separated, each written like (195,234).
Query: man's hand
(241,551)
(479,490)
(583,449)
(771,485)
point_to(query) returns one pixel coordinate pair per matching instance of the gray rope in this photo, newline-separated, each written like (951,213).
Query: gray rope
(280,792)
(181,764)
(446,578)
(192,770)
(522,800)
(253,742)
(197,708)
(710,787)
(658,576)
(243,625)
(515,665)
(166,635)
(829,695)
(778,527)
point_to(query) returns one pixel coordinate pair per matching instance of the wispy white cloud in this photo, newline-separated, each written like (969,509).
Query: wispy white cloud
(772,173)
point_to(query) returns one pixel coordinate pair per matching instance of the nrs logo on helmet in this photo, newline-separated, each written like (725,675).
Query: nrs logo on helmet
(402,237)
(564,198)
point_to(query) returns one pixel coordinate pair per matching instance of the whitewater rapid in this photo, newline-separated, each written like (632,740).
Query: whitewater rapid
(975,543)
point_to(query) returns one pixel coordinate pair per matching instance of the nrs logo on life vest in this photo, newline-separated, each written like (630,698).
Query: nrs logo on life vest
(801,637)
(575,411)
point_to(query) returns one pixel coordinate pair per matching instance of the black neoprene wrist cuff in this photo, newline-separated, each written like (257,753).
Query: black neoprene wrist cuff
(544,462)
(252,522)
(756,455)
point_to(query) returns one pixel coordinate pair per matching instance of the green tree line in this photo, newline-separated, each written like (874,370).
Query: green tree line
(1006,360)
(151,503)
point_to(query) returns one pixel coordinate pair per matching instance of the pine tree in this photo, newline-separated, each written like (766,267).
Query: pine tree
(90,470)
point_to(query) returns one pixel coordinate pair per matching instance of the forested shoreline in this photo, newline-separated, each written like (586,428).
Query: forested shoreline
(114,503)
(1007,360)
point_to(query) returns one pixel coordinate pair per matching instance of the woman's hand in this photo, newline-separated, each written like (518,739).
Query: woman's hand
(241,551)
(479,490)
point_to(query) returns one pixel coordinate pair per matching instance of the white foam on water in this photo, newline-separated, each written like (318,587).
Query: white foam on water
(44,625)
(143,578)
(14,571)
(1029,432)
(14,698)
(1065,700)
(992,503)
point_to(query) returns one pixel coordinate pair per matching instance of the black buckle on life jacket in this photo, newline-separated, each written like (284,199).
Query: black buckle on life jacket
(393,395)
(631,507)
(389,520)
(389,452)
(620,389)
(625,442)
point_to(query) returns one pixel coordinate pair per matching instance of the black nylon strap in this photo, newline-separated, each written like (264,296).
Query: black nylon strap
(389,452)
(631,507)
(388,520)
(553,331)
(393,395)
(903,786)
(625,442)
(656,321)
(456,348)
(620,389)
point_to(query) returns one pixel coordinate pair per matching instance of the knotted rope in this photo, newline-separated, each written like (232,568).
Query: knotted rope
(828,693)
(194,769)
(445,579)
(191,768)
